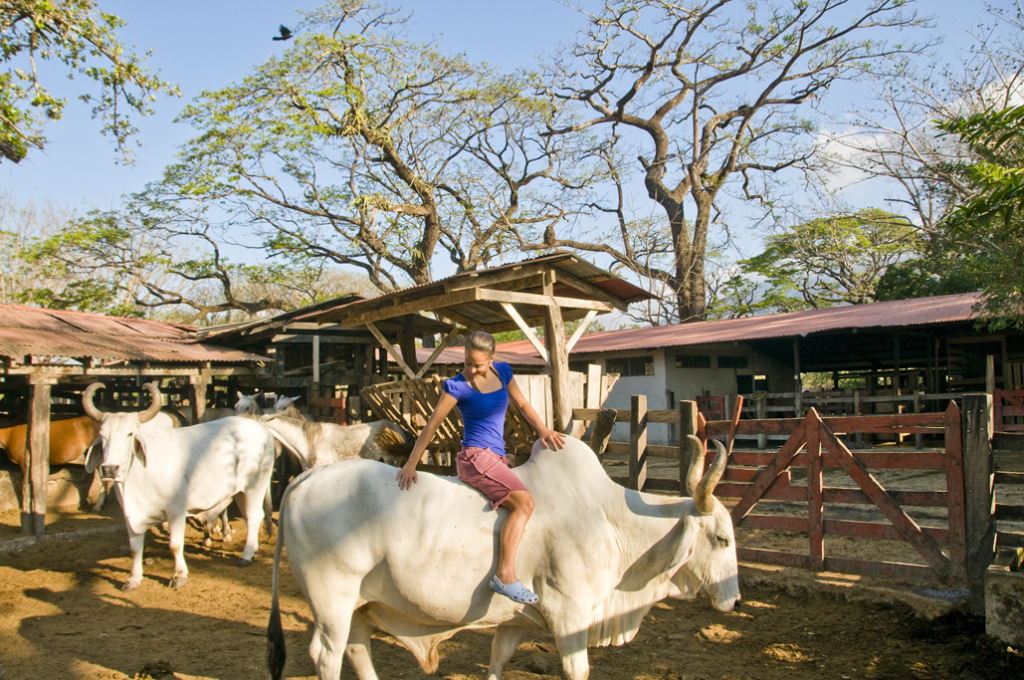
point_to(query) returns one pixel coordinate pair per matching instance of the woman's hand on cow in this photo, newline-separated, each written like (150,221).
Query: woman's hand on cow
(552,439)
(406,477)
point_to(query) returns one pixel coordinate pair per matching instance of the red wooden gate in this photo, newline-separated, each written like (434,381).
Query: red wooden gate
(813,444)
(1008,410)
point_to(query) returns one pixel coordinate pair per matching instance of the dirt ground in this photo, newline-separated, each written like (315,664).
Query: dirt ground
(62,615)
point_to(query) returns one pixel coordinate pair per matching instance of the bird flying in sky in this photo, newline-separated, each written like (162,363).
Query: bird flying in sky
(285,33)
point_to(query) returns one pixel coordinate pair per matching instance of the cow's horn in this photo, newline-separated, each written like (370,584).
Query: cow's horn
(696,466)
(702,495)
(154,408)
(87,405)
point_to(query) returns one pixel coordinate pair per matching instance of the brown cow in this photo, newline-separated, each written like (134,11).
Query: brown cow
(69,439)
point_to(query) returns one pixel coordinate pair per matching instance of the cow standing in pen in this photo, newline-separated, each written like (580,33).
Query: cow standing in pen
(166,473)
(416,563)
(321,443)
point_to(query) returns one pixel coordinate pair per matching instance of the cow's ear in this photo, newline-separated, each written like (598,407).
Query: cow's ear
(139,450)
(94,455)
(687,543)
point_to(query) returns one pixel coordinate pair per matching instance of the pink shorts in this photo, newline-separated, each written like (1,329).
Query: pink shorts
(485,470)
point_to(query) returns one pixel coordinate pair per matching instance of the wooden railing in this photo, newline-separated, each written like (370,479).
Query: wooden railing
(813,443)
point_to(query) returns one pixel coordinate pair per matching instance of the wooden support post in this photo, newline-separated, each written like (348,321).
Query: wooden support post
(917,409)
(798,387)
(979,501)
(37,454)
(316,359)
(197,386)
(558,359)
(815,491)
(638,442)
(687,426)
(602,431)
(859,437)
(759,405)
(990,374)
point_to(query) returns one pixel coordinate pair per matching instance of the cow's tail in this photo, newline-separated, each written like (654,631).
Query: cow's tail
(276,653)
(268,513)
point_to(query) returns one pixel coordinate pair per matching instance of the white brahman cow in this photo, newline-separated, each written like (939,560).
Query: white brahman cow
(416,563)
(166,474)
(322,443)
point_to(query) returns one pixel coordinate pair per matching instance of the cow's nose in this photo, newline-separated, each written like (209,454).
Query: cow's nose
(736,605)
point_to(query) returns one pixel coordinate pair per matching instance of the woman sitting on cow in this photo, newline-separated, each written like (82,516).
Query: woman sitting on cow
(481,391)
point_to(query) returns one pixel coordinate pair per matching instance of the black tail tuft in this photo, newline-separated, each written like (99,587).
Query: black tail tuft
(276,653)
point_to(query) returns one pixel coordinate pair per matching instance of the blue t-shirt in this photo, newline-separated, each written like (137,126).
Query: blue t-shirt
(483,414)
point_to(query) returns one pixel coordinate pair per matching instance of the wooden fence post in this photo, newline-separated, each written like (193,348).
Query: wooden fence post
(638,442)
(760,404)
(687,426)
(815,491)
(33,494)
(955,496)
(976,422)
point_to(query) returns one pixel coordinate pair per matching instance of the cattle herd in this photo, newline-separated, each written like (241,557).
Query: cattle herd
(414,563)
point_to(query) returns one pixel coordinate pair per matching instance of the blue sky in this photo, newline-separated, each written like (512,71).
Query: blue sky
(206,45)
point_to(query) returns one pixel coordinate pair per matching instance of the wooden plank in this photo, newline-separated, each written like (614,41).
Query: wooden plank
(1008,460)
(390,349)
(976,424)
(638,441)
(798,493)
(437,352)
(558,361)
(867,530)
(734,474)
(956,512)
(766,479)
(910,530)
(1008,441)
(1008,513)
(37,453)
(815,491)
(527,331)
(896,571)
(1009,539)
(537,300)
(580,330)
(1011,478)
(777,557)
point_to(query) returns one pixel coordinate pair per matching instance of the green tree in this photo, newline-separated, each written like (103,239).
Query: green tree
(361,149)
(81,38)
(712,97)
(824,262)
(986,232)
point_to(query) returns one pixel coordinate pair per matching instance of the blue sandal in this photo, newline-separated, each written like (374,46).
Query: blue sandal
(514,591)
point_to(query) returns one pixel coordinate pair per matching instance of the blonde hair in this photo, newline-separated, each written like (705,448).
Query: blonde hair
(480,341)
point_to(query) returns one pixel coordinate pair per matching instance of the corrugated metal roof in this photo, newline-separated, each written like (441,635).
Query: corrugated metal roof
(33,331)
(899,313)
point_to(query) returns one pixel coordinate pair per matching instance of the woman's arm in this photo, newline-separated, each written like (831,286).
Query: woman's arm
(552,439)
(407,475)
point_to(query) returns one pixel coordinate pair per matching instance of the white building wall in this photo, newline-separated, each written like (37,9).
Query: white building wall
(669,384)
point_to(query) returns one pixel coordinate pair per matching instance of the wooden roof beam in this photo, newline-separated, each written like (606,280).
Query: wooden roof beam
(525,328)
(580,330)
(585,286)
(437,351)
(390,349)
(538,300)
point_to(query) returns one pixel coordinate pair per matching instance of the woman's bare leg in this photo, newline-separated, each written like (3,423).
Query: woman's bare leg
(520,506)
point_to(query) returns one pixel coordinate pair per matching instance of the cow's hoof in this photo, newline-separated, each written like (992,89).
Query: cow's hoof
(178,581)
(131,584)
(242,562)
(207,542)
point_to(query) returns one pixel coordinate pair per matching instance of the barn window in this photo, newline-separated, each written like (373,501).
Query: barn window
(693,361)
(726,361)
(630,366)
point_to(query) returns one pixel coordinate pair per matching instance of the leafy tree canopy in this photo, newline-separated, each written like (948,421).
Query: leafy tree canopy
(76,35)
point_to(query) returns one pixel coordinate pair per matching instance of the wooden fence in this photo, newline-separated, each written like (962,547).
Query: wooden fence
(1008,410)
(814,444)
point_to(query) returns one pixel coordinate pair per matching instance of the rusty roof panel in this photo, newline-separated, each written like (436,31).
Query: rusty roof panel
(457,355)
(899,313)
(26,331)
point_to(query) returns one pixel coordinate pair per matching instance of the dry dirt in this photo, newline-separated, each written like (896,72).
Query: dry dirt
(62,615)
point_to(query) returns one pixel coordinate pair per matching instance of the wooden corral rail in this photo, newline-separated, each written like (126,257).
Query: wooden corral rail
(1008,410)
(812,443)
(1008,467)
